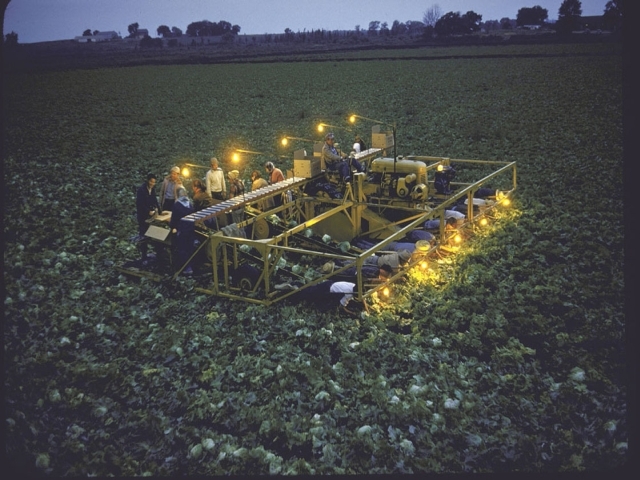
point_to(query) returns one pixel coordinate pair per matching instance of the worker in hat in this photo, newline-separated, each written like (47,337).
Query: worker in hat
(236,186)
(335,161)
(169,189)
(359,146)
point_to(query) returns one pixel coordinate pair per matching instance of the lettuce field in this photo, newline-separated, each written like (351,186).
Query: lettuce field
(508,357)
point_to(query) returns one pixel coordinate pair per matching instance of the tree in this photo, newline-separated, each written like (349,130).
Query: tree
(96,32)
(414,26)
(205,28)
(384,28)
(612,17)
(373,27)
(164,30)
(11,39)
(398,28)
(532,16)
(568,15)
(491,25)
(505,23)
(432,15)
(148,42)
(471,21)
(86,33)
(133,29)
(455,24)
(176,32)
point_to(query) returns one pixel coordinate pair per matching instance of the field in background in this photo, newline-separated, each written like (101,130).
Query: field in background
(510,358)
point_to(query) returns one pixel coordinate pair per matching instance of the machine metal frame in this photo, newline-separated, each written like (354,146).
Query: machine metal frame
(228,248)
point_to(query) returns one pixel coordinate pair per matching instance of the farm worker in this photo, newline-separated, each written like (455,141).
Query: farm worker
(236,186)
(169,189)
(369,270)
(214,178)
(184,231)
(335,161)
(201,199)
(274,174)
(359,146)
(146,207)
(258,182)
(328,290)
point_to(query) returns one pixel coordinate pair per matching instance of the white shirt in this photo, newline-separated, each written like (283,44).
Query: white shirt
(356,147)
(343,287)
(453,213)
(215,181)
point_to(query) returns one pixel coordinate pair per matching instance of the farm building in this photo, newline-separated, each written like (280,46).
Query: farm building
(98,37)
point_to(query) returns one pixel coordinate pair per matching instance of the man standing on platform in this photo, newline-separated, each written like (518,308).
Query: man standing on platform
(216,186)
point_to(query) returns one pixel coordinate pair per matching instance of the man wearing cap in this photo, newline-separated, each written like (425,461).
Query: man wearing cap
(169,189)
(335,161)
(214,179)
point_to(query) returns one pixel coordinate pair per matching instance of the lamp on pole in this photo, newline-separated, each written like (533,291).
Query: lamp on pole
(354,117)
(185,170)
(322,126)
(285,140)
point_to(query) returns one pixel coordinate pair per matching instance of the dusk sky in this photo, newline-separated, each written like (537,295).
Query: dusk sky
(47,20)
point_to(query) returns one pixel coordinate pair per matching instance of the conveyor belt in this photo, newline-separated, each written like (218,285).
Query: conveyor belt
(368,154)
(242,200)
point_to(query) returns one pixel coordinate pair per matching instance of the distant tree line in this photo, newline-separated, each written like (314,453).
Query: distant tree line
(434,23)
(206,28)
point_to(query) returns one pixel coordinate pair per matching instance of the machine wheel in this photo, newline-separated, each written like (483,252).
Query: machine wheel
(261,229)
(246,277)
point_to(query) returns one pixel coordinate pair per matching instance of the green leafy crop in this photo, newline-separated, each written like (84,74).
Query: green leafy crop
(507,357)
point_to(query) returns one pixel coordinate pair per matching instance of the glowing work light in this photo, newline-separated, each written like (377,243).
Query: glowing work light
(484,222)
(285,140)
(457,238)
(186,172)
(386,292)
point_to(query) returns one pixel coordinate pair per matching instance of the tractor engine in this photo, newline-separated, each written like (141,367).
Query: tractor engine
(406,179)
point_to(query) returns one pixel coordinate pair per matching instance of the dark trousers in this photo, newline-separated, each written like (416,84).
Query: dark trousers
(167,205)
